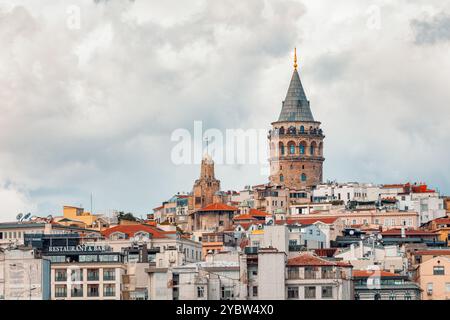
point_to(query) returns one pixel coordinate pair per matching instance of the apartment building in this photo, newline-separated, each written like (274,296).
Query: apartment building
(24,275)
(376,284)
(433,276)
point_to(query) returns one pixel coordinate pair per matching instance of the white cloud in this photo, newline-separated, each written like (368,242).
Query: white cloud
(92,109)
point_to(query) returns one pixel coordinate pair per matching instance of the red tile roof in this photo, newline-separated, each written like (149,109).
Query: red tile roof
(245,225)
(244,217)
(218,207)
(435,252)
(442,221)
(131,229)
(370,273)
(308,259)
(258,213)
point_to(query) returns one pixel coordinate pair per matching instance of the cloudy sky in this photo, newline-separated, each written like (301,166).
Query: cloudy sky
(90,94)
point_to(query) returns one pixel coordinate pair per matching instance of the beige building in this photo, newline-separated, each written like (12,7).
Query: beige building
(433,276)
(89,279)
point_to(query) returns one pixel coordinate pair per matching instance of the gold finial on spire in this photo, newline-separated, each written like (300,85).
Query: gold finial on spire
(295,59)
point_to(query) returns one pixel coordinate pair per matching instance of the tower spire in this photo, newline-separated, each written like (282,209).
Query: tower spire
(295,59)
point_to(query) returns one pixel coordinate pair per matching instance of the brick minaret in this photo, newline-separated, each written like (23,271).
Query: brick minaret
(296,141)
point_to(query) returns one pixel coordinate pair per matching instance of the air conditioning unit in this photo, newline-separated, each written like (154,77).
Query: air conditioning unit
(429,292)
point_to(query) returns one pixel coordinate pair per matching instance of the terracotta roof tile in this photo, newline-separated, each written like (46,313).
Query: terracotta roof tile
(132,229)
(308,259)
(370,273)
(436,252)
(218,207)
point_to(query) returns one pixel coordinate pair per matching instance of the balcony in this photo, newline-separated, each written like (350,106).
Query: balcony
(93,277)
(61,278)
(315,275)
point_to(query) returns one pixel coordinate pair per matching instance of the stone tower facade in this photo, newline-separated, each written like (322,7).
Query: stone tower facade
(296,141)
(206,186)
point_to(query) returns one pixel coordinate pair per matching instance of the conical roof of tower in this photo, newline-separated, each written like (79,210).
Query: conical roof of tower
(296,105)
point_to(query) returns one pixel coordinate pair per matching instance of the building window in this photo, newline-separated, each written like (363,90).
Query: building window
(302,149)
(226,293)
(310,292)
(447,287)
(303,177)
(255,291)
(282,149)
(200,292)
(281,178)
(109,274)
(292,292)
(438,270)
(407,295)
(327,292)
(292,149)
(92,290)
(60,291)
(392,296)
(60,275)
(377,296)
(76,290)
(109,290)
(92,275)
(293,273)
(311,150)
(302,129)
(76,275)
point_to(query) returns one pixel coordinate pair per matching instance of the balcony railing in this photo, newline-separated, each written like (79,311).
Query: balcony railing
(61,278)
(93,277)
(77,293)
(315,275)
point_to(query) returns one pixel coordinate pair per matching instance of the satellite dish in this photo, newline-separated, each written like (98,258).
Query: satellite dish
(49,217)
(19,216)
(27,216)
(379,236)
(351,232)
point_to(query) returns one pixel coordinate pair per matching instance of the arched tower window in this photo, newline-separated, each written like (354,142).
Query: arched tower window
(281,178)
(291,146)
(320,149)
(302,129)
(303,177)
(281,130)
(281,147)
(312,148)
(302,147)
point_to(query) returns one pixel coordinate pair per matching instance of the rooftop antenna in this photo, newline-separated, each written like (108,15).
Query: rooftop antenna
(91,204)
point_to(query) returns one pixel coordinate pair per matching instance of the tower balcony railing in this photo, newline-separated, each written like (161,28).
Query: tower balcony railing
(315,134)
(297,157)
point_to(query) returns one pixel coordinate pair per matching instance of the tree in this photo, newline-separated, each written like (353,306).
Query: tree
(125,216)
